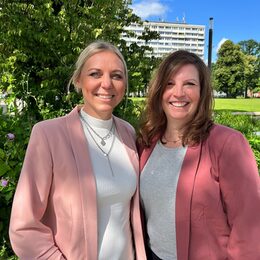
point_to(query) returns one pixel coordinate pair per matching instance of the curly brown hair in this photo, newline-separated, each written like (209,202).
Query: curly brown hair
(154,121)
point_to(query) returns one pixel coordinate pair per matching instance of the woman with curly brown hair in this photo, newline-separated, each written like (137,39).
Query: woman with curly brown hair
(199,183)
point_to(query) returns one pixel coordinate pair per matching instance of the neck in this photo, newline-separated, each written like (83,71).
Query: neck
(98,115)
(172,134)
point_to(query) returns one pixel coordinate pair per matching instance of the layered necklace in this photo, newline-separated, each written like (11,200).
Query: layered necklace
(111,132)
(102,139)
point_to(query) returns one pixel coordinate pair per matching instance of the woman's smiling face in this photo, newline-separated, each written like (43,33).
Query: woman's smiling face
(103,82)
(181,95)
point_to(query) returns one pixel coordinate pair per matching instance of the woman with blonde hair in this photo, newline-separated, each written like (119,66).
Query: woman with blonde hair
(75,198)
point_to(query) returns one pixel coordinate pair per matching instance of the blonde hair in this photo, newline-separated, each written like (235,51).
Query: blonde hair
(89,51)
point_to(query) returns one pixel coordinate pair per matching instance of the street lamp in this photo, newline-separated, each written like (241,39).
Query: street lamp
(210,42)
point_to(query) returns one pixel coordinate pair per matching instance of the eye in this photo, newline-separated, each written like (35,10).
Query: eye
(95,74)
(170,84)
(190,84)
(117,76)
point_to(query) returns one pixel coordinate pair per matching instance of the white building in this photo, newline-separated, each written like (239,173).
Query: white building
(173,36)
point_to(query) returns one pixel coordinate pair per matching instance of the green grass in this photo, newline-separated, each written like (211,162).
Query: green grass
(229,104)
(238,104)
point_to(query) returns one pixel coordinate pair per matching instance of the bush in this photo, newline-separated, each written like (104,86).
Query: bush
(14,132)
(130,111)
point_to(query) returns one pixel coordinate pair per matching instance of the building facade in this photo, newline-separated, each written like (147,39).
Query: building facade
(173,36)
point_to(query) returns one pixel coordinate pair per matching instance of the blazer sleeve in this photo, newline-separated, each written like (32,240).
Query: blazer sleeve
(240,188)
(30,238)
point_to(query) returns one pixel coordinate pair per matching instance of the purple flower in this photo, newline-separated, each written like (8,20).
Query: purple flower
(10,136)
(4,183)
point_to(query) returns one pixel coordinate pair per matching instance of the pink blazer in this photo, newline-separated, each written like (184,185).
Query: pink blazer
(54,214)
(218,199)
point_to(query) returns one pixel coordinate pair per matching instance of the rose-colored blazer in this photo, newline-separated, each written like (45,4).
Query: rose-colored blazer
(54,214)
(218,199)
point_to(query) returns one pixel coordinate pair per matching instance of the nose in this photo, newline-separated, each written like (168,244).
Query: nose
(106,81)
(178,90)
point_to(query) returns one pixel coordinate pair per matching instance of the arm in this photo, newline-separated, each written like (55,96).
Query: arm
(30,238)
(240,187)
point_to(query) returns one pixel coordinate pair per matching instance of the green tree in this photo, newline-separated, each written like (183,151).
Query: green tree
(41,39)
(228,72)
(251,74)
(251,49)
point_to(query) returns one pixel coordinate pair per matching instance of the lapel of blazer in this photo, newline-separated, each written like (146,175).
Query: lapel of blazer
(184,198)
(86,180)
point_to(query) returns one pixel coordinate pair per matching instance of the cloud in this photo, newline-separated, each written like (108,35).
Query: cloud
(220,43)
(146,8)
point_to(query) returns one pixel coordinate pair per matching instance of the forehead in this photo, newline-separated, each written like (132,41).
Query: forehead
(104,59)
(185,70)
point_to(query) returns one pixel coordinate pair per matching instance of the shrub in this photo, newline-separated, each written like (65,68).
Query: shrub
(14,132)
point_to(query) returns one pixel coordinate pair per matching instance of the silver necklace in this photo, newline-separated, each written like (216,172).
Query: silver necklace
(107,136)
(106,154)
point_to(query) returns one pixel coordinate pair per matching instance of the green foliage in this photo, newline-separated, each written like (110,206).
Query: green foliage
(36,68)
(130,111)
(243,123)
(250,47)
(228,70)
(237,68)
(14,133)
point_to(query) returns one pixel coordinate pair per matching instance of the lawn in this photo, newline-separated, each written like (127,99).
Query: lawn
(238,104)
(229,104)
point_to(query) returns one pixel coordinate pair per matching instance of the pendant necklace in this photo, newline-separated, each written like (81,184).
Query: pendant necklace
(103,139)
(111,133)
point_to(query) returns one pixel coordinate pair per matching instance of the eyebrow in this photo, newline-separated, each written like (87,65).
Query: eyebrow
(192,80)
(97,69)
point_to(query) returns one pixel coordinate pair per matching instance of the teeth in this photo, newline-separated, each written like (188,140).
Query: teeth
(105,96)
(179,104)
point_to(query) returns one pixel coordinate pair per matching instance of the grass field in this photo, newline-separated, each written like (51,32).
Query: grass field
(239,104)
(230,104)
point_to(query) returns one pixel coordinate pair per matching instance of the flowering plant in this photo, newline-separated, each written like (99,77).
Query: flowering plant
(14,136)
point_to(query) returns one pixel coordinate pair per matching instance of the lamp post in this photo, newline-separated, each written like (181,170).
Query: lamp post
(210,42)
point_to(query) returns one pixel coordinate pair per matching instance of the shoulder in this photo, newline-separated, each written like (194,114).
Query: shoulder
(227,142)
(57,127)
(221,133)
(50,124)
(58,122)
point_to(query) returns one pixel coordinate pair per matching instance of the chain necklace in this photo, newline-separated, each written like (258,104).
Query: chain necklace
(173,141)
(107,136)
(106,154)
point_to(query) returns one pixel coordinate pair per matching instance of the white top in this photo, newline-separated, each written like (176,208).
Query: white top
(158,186)
(114,191)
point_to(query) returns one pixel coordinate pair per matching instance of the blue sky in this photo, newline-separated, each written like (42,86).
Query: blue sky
(233,20)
